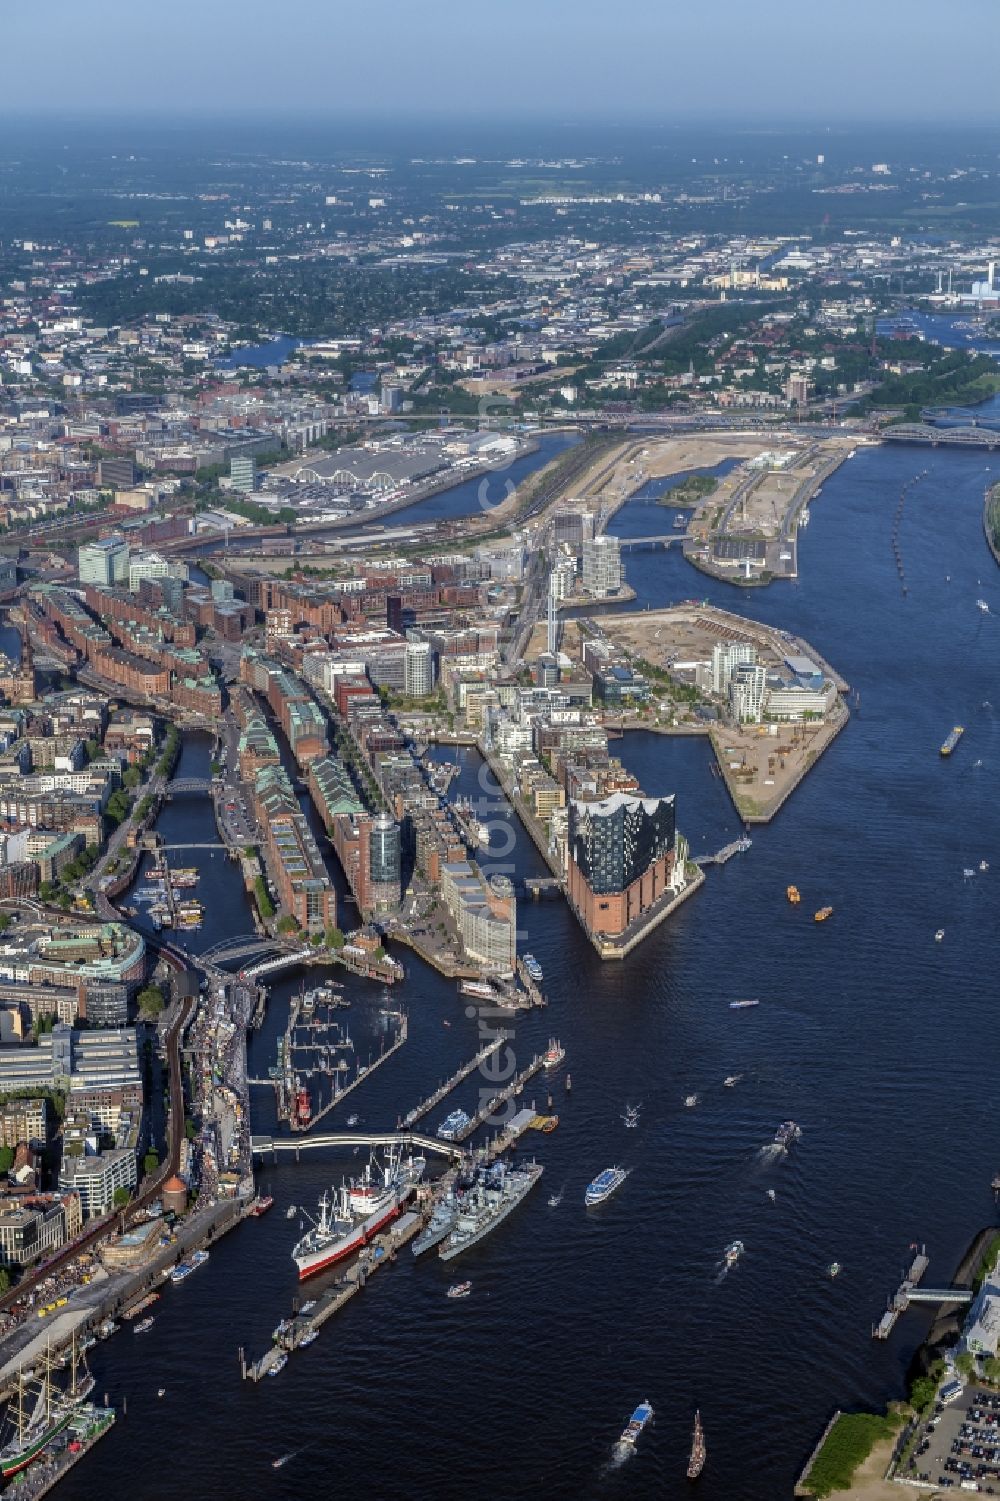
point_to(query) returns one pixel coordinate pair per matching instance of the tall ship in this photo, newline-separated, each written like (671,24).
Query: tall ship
(494,1196)
(952,739)
(604,1185)
(699,1453)
(40,1410)
(357,1211)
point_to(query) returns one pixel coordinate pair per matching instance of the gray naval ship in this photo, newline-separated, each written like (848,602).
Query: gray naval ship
(440,1224)
(495,1194)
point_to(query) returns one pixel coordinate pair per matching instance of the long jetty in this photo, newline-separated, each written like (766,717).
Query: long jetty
(445,1089)
(514,1087)
(900,1300)
(293,1331)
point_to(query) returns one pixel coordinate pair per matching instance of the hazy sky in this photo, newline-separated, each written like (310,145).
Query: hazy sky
(666,59)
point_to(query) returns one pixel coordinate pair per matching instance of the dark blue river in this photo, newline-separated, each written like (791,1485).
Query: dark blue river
(881,1043)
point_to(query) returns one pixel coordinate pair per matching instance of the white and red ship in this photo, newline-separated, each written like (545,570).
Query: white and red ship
(357,1211)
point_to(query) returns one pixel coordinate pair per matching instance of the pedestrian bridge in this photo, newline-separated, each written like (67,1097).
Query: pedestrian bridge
(267,1146)
(939,1295)
(651,544)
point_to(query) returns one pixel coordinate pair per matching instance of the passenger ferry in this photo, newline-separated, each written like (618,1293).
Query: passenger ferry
(533,967)
(604,1185)
(452,1125)
(636,1424)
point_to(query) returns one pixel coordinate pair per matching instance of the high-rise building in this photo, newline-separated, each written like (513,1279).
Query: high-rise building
(104,562)
(418,669)
(746,692)
(243,472)
(394,613)
(392,398)
(726,657)
(602,566)
(384,864)
(621,858)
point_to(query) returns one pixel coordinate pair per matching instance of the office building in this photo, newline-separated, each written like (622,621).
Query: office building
(602,566)
(96,1176)
(117,472)
(418,669)
(621,858)
(243,473)
(103,562)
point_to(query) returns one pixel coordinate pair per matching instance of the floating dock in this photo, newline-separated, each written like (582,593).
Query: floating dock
(513,1088)
(899,1302)
(445,1089)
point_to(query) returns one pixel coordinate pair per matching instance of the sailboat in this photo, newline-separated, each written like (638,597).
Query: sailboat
(40,1410)
(699,1453)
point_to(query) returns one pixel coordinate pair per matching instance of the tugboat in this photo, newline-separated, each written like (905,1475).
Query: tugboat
(301,1108)
(699,1453)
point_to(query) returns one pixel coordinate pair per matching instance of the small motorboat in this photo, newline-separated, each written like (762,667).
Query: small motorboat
(833,1270)
(771,1195)
(984,866)
(291,1212)
(939,935)
(353,1120)
(555,1200)
(731,1080)
(161,1391)
(733,1252)
(459,1289)
(691,1101)
(282,1460)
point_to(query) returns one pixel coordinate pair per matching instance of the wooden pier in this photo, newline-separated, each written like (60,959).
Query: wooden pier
(445,1089)
(513,1088)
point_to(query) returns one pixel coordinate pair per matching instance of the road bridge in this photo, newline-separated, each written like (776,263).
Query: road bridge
(190,785)
(268,1146)
(241,947)
(651,544)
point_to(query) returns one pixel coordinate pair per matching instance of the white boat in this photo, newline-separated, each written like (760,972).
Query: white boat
(459,1290)
(691,1101)
(771,1195)
(939,935)
(631,1116)
(984,865)
(308,1339)
(983,605)
(733,1252)
(353,1120)
(604,1185)
(278,1367)
(732,1079)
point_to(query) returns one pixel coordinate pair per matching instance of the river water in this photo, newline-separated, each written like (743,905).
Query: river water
(880,1042)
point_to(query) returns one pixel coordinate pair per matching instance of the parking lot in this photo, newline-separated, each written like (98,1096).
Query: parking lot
(960,1446)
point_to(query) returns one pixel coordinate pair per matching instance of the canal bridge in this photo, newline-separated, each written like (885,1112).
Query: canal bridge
(271,1146)
(191,785)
